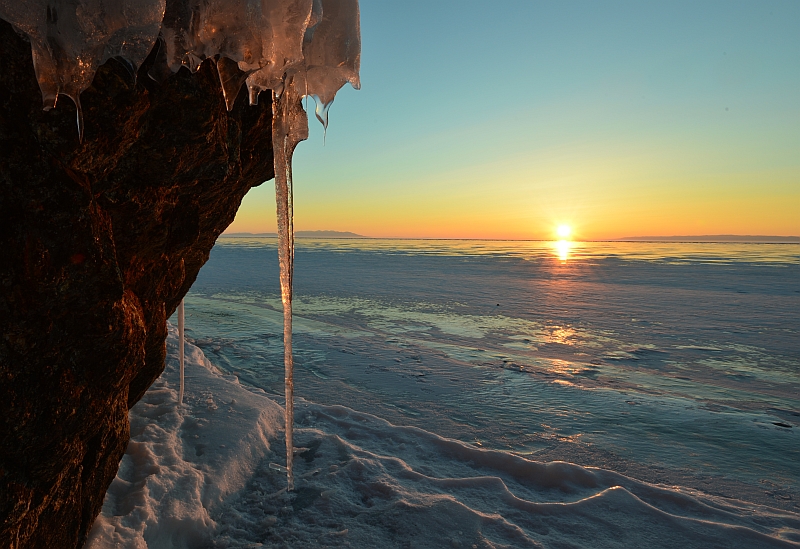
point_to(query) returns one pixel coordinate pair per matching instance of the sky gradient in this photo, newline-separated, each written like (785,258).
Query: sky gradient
(617,118)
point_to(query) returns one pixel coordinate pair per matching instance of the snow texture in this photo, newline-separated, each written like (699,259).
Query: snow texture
(183,461)
(201,476)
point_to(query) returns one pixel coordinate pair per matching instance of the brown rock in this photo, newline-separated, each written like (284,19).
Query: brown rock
(99,241)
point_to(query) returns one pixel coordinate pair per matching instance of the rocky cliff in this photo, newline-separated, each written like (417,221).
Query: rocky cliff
(99,241)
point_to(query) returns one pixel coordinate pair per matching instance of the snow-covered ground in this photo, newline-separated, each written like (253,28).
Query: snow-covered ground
(183,462)
(199,476)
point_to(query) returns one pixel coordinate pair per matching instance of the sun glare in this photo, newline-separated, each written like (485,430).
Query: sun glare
(563,231)
(562,249)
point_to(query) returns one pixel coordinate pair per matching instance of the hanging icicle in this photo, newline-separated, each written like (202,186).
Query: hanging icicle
(289,127)
(181,323)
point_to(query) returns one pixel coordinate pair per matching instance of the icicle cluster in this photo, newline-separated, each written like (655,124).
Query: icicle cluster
(295,48)
(317,42)
(71,38)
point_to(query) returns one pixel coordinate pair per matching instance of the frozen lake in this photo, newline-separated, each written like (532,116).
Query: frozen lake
(670,363)
(477,395)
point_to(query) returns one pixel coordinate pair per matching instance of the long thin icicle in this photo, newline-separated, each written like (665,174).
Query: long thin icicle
(289,127)
(181,323)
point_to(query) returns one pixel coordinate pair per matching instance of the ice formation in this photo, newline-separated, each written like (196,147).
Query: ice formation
(181,345)
(71,38)
(260,41)
(289,127)
(295,48)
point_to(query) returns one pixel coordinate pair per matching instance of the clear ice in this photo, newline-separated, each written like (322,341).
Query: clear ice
(296,48)
(181,324)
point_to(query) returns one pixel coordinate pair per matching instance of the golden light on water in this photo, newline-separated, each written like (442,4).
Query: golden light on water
(562,249)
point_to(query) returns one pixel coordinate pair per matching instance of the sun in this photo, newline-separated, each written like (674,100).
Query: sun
(563,231)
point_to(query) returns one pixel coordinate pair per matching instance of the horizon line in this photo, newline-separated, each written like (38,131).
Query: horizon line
(683,239)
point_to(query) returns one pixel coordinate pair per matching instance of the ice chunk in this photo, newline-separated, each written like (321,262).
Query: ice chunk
(331,56)
(231,79)
(332,53)
(282,47)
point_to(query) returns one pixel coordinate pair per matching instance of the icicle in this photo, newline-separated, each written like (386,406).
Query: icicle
(321,111)
(289,127)
(253,94)
(78,115)
(181,323)
(231,79)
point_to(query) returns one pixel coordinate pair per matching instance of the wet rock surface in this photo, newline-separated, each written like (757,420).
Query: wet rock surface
(100,240)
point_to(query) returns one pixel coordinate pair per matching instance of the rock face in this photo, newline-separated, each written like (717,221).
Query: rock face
(99,241)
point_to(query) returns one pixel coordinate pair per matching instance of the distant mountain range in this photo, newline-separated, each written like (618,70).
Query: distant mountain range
(298,234)
(754,239)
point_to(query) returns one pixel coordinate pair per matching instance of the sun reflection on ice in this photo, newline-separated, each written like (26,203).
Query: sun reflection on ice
(563,248)
(563,335)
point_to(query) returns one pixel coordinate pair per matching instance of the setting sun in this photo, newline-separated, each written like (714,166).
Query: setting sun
(563,231)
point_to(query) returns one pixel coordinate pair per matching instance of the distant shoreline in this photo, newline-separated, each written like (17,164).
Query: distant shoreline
(715,238)
(699,239)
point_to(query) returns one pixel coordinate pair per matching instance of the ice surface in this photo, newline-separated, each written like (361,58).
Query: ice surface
(201,476)
(670,364)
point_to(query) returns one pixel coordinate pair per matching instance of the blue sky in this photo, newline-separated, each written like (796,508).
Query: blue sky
(506,120)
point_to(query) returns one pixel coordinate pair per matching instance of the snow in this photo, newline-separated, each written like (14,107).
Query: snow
(202,476)
(183,461)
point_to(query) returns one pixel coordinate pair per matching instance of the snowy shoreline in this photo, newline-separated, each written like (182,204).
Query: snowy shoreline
(199,477)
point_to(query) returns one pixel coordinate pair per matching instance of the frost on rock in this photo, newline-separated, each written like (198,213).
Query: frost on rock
(296,48)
